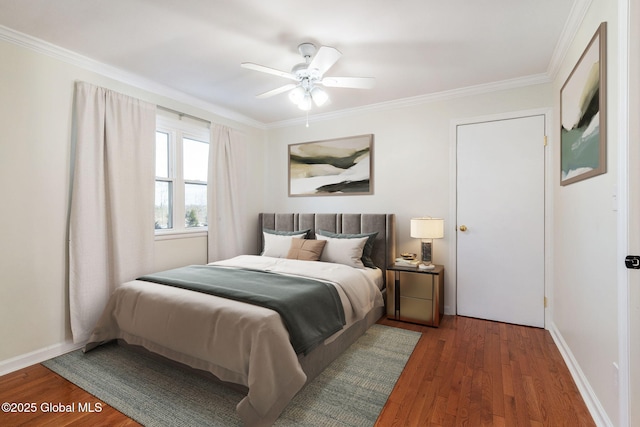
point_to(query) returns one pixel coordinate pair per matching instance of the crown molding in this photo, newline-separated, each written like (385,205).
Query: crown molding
(571,27)
(81,61)
(419,100)
(576,16)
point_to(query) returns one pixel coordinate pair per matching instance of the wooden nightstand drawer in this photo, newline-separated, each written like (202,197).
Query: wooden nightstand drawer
(416,310)
(417,285)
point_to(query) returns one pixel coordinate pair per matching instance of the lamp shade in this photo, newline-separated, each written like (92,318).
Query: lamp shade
(427,228)
(305,102)
(319,96)
(296,95)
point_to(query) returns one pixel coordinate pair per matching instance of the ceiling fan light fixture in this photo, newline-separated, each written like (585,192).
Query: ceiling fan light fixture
(308,77)
(319,95)
(296,95)
(305,103)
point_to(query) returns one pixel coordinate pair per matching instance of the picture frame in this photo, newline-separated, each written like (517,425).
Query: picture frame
(331,167)
(583,114)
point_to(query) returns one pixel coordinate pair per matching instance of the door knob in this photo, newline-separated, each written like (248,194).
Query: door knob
(463,228)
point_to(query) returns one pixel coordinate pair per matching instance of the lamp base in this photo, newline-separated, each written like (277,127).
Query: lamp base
(426,266)
(426,252)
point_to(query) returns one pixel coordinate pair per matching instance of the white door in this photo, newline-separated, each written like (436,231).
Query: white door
(500,219)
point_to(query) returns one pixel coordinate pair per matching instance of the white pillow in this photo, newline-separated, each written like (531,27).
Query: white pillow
(343,251)
(277,246)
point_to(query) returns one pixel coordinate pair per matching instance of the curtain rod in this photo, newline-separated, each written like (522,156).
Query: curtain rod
(181,114)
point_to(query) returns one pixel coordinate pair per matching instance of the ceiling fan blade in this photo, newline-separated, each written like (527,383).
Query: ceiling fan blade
(349,82)
(325,58)
(268,70)
(276,91)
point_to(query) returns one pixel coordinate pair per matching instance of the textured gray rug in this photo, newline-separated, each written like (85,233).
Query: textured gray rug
(350,392)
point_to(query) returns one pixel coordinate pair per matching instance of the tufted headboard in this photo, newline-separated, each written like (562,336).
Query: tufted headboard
(383,250)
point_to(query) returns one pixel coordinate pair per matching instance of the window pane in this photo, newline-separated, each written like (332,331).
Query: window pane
(162,155)
(196,158)
(164,211)
(195,205)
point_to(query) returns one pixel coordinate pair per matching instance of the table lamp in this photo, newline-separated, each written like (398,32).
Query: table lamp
(427,229)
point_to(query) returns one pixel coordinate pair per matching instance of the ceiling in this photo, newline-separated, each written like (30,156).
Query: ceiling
(413,48)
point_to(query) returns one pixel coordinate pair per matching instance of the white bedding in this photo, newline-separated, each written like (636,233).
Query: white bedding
(237,342)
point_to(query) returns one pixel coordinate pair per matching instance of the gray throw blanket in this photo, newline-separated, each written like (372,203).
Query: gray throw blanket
(310,309)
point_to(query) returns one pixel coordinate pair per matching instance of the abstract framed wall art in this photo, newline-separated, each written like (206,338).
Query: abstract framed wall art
(342,166)
(583,114)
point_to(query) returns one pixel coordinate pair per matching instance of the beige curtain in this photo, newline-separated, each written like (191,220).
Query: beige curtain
(111,230)
(226,212)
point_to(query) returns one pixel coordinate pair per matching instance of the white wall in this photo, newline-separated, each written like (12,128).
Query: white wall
(412,165)
(584,304)
(36,93)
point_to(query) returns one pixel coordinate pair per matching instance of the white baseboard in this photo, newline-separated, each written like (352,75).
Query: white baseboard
(598,413)
(37,356)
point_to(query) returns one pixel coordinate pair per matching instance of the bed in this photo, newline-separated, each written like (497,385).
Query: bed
(252,346)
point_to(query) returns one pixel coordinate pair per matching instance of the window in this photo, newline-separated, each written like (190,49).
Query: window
(182,156)
(164,183)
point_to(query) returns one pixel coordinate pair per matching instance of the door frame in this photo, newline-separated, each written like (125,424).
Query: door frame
(548,200)
(626,152)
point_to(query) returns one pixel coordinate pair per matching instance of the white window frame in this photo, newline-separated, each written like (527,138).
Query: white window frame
(177,131)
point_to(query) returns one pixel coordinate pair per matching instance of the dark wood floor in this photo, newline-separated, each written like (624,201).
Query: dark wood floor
(40,386)
(467,372)
(473,372)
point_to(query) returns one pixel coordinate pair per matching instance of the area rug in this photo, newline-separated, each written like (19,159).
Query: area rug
(350,392)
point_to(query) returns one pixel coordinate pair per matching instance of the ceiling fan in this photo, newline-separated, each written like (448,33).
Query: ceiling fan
(309,77)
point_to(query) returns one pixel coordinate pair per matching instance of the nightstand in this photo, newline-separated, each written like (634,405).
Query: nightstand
(418,295)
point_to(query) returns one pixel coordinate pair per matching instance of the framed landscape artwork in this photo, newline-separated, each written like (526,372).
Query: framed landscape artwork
(583,114)
(332,167)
